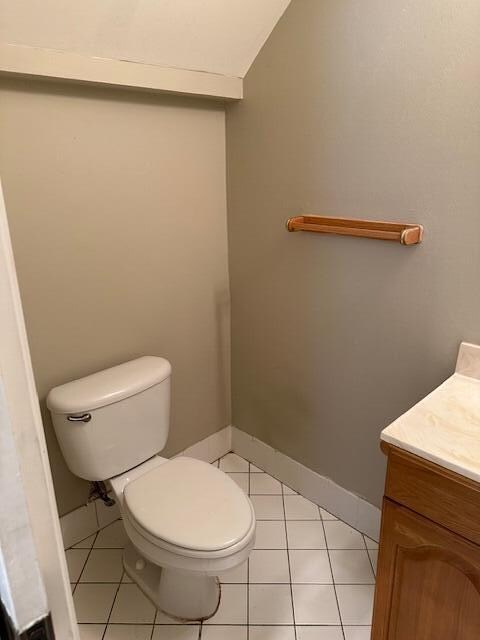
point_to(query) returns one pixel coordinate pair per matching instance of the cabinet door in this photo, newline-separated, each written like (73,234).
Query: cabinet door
(428,581)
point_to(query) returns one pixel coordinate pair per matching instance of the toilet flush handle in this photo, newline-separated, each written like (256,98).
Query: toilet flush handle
(85,417)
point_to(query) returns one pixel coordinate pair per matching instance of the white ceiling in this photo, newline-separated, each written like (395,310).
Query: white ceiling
(216,36)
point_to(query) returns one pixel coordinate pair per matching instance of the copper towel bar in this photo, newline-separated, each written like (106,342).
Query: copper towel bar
(393,231)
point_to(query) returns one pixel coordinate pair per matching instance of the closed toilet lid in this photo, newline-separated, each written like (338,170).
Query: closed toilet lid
(190,504)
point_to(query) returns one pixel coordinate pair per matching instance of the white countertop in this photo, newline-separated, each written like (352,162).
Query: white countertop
(444,427)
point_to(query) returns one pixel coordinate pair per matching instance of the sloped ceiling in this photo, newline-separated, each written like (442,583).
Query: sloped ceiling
(213,36)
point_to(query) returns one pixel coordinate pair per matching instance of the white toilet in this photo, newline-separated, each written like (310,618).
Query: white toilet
(186,520)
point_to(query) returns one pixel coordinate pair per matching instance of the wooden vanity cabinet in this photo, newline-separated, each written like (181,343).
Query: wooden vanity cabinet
(428,575)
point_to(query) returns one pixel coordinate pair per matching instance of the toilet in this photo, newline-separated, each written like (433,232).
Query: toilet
(186,520)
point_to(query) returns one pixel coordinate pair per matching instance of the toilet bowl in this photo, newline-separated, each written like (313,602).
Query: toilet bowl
(180,540)
(186,520)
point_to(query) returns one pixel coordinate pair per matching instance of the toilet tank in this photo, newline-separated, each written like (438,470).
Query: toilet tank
(113,420)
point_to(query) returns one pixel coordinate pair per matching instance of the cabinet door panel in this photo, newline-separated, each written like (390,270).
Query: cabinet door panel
(428,581)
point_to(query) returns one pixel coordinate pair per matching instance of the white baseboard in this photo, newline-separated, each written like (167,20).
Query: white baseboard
(211,448)
(355,511)
(88,519)
(347,506)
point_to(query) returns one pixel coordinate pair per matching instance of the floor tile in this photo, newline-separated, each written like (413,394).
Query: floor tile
(241,479)
(86,543)
(269,566)
(307,564)
(326,515)
(356,603)
(299,508)
(270,534)
(128,632)
(103,565)
(94,601)
(374,559)
(288,491)
(112,537)
(236,575)
(91,631)
(262,483)
(351,567)
(78,524)
(319,633)
(217,632)
(315,604)
(304,534)
(271,633)
(268,507)
(176,632)
(310,566)
(75,562)
(342,536)
(357,633)
(162,619)
(270,604)
(106,515)
(232,462)
(132,607)
(369,543)
(233,606)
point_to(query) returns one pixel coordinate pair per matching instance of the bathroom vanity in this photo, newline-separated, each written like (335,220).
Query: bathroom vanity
(428,576)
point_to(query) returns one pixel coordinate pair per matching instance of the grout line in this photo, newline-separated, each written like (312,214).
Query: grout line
(113,604)
(325,584)
(85,563)
(331,570)
(273,495)
(373,569)
(288,561)
(346,584)
(74,545)
(248,559)
(100,549)
(222,624)
(95,533)
(369,559)
(288,520)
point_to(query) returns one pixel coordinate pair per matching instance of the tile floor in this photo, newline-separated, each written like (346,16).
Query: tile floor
(310,577)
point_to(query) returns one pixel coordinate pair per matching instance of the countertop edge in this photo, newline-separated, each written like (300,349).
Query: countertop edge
(425,455)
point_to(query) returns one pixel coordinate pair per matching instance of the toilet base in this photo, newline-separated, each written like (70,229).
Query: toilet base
(183,595)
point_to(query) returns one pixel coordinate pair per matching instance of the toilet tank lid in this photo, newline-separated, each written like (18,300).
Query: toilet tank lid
(108,386)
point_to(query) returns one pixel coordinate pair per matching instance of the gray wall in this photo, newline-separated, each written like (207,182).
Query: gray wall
(117,209)
(363,109)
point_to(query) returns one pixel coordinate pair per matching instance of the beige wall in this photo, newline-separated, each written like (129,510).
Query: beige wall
(116,203)
(367,109)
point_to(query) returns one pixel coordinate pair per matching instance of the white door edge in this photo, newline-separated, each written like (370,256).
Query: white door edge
(23,410)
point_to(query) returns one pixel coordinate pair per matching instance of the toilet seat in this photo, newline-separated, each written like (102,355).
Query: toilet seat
(189,508)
